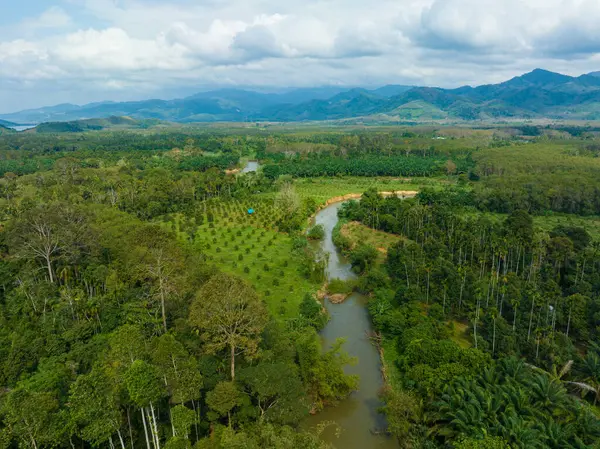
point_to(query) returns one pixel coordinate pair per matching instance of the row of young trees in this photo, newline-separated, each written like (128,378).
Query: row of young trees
(518,293)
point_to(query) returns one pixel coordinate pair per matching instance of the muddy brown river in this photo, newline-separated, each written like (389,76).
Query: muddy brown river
(357,415)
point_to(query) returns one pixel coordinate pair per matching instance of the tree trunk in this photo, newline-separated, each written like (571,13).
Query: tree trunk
(154,427)
(428,273)
(49,266)
(530,319)
(462,288)
(145,428)
(494,339)
(121,439)
(130,432)
(162,305)
(232,362)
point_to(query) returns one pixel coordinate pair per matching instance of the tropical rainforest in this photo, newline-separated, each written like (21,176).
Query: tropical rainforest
(158,291)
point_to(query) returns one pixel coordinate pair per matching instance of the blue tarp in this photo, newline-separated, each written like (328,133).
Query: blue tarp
(250,211)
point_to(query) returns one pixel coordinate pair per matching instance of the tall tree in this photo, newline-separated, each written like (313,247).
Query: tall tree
(229,314)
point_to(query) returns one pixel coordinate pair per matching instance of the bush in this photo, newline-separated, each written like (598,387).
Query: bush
(312,311)
(316,232)
(339,286)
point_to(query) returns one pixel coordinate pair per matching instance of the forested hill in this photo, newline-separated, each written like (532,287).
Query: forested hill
(538,94)
(92,125)
(7,124)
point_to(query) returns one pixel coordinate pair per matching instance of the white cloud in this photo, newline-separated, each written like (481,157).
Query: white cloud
(53,17)
(113,49)
(148,45)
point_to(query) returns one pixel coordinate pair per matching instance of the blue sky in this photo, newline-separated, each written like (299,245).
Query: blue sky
(78,51)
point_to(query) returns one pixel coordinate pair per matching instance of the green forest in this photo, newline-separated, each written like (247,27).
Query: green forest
(155,294)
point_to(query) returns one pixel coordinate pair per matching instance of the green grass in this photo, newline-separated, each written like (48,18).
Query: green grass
(267,261)
(390,355)
(322,189)
(460,334)
(357,233)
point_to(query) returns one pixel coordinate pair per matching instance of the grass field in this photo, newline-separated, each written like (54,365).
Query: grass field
(250,248)
(460,334)
(322,189)
(356,233)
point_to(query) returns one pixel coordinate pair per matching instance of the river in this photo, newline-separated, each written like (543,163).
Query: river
(251,166)
(357,415)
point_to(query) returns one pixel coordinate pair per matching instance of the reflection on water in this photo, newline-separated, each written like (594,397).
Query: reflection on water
(251,166)
(357,416)
(22,127)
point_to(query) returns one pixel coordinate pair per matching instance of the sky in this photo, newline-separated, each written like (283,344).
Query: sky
(80,51)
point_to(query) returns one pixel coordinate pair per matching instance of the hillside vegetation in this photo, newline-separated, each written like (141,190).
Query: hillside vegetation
(535,95)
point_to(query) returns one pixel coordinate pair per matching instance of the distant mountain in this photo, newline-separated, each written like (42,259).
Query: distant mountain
(537,94)
(95,124)
(219,105)
(7,124)
(391,90)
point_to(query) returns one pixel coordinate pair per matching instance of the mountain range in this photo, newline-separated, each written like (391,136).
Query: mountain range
(7,124)
(537,94)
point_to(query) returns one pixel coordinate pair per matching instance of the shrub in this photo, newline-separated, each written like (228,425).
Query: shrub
(313,312)
(246,270)
(266,267)
(338,286)
(316,232)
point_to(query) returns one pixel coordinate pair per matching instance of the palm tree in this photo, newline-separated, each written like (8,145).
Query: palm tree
(515,303)
(494,315)
(591,371)
(557,435)
(547,393)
